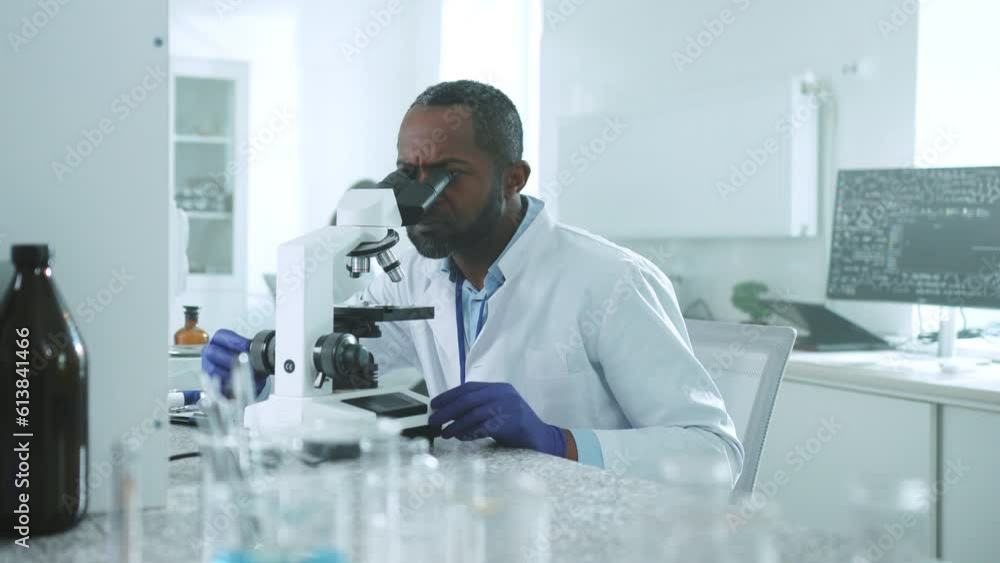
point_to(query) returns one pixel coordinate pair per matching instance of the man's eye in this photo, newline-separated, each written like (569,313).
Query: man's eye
(455,173)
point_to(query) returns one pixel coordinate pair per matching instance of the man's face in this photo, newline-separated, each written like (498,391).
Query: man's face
(471,206)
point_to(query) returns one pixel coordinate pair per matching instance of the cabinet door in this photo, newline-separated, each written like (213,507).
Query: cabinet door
(210,163)
(970,496)
(821,439)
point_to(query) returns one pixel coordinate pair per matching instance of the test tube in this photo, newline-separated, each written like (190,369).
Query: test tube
(465,509)
(124,517)
(422,504)
(243,387)
(381,481)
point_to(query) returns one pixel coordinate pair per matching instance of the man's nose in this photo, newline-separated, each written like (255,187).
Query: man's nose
(422,174)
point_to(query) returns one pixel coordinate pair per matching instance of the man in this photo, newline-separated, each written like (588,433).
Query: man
(545,337)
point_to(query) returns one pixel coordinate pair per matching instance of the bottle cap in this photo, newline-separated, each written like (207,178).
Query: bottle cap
(30,254)
(191,309)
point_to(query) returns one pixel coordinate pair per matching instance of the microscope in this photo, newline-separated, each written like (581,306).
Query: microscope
(323,373)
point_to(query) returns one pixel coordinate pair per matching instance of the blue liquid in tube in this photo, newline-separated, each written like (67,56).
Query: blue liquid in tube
(316,556)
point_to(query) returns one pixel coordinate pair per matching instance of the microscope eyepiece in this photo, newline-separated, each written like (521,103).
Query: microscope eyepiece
(413,197)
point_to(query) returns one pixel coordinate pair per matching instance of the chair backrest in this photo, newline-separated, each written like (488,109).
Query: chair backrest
(746,362)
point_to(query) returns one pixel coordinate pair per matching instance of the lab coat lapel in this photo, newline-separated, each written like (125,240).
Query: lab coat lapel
(441,295)
(515,265)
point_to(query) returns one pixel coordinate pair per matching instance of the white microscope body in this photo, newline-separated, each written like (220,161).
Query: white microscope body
(323,374)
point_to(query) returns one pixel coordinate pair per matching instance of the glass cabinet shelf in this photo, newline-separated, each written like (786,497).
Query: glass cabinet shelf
(202,139)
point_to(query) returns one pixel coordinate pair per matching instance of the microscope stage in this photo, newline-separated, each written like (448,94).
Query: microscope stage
(393,405)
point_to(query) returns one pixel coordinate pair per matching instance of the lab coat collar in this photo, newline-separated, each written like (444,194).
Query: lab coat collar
(531,243)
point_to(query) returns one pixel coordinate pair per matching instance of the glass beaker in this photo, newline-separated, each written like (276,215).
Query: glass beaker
(698,479)
(892,520)
(288,517)
(698,488)
(752,525)
(517,519)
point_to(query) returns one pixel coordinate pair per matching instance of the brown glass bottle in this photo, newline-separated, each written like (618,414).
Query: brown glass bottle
(43,403)
(191,334)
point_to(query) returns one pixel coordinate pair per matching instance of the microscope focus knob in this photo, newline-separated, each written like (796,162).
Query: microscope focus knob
(349,365)
(262,353)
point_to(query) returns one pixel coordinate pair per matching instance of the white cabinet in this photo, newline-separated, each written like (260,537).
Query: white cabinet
(210,160)
(970,495)
(820,439)
(84,168)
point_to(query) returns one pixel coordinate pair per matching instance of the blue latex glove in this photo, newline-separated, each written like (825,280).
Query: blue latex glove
(495,410)
(218,356)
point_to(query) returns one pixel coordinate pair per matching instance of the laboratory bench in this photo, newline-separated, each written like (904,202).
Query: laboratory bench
(592,511)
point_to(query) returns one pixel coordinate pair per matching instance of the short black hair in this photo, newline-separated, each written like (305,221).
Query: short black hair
(496,123)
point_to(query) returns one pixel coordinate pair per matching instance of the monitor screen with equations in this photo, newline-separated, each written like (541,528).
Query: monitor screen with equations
(917,236)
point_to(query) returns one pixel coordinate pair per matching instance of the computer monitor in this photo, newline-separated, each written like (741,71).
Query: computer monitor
(917,236)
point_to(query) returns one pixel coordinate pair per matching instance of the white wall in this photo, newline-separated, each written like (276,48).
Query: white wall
(107,217)
(362,64)
(607,55)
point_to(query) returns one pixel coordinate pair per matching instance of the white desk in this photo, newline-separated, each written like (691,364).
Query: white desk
(899,374)
(841,416)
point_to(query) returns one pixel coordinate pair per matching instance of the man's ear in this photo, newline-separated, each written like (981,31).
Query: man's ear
(516,178)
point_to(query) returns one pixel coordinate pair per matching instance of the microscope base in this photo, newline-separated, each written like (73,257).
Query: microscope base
(356,410)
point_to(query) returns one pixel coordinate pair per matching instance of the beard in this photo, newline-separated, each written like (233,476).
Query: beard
(431,245)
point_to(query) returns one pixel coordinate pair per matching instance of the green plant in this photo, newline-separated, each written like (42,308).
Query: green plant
(746,298)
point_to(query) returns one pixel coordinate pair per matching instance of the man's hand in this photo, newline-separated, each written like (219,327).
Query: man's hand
(218,356)
(495,410)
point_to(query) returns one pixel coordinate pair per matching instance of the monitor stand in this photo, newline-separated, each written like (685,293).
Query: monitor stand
(947,336)
(947,332)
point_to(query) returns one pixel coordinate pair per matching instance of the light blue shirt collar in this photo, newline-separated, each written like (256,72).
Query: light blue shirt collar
(475,302)
(494,275)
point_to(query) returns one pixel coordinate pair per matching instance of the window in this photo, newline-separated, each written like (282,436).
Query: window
(958,118)
(498,42)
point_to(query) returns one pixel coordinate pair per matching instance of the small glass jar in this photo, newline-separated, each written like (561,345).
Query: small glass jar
(191,334)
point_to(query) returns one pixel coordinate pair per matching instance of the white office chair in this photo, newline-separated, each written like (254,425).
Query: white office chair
(746,362)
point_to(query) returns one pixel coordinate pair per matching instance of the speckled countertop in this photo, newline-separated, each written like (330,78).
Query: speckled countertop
(593,513)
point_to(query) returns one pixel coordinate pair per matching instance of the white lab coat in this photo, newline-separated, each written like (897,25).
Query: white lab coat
(588,332)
